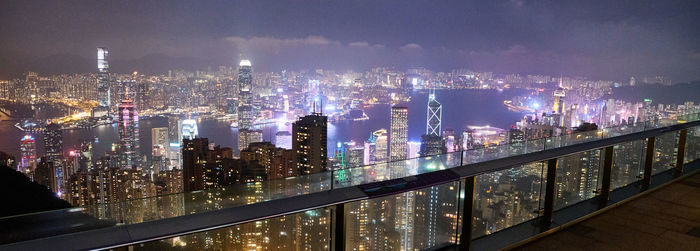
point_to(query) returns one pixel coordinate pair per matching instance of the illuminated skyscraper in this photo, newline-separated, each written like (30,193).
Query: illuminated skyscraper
(245,81)
(189,129)
(128,133)
(245,117)
(246,137)
(27,149)
(399,133)
(309,142)
(103,90)
(355,154)
(559,95)
(434,122)
(174,130)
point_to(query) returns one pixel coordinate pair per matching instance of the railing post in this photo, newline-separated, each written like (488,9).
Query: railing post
(648,163)
(338,242)
(680,156)
(549,193)
(607,173)
(465,238)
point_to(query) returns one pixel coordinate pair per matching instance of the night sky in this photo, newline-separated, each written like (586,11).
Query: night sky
(597,39)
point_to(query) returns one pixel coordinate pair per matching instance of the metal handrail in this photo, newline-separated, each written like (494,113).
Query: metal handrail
(121,235)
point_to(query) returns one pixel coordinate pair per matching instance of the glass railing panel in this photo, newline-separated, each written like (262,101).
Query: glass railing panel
(309,230)
(172,205)
(507,198)
(665,149)
(622,130)
(394,170)
(416,220)
(577,178)
(628,163)
(692,144)
(572,139)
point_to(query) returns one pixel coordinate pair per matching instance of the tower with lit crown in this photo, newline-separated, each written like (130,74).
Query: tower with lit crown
(103,89)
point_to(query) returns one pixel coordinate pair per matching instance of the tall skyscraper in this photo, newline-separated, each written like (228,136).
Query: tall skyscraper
(245,117)
(434,122)
(398,140)
(309,142)
(27,149)
(103,88)
(53,145)
(128,133)
(558,106)
(245,81)
(174,130)
(45,174)
(189,129)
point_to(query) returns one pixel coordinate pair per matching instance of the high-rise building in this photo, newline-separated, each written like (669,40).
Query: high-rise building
(399,133)
(27,147)
(245,117)
(283,139)
(558,106)
(174,130)
(376,147)
(434,121)
(45,174)
(245,81)
(159,136)
(354,154)
(128,133)
(103,83)
(450,138)
(309,142)
(246,137)
(194,158)
(53,145)
(189,129)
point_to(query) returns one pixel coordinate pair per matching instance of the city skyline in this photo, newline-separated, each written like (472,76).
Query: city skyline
(358,125)
(595,39)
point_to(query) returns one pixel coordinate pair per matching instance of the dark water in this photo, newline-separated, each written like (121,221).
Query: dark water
(460,108)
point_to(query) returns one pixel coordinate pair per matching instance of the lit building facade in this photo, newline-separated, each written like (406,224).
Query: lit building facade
(128,134)
(309,142)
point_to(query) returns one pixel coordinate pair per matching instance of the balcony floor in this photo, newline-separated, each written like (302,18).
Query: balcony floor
(666,219)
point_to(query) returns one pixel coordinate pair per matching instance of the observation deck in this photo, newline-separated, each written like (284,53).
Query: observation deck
(483,199)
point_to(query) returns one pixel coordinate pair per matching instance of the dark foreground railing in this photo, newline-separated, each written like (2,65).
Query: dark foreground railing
(485,199)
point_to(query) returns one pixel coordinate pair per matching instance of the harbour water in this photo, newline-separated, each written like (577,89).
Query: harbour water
(460,108)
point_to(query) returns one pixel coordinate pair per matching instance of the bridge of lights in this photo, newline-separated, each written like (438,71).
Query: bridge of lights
(447,200)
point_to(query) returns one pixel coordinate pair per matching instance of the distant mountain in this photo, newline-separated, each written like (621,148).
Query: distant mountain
(70,63)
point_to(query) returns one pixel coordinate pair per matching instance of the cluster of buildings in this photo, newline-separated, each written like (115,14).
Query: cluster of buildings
(181,161)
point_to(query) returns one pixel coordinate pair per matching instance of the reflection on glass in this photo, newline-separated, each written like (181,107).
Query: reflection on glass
(577,178)
(309,230)
(692,144)
(665,149)
(628,163)
(506,198)
(416,220)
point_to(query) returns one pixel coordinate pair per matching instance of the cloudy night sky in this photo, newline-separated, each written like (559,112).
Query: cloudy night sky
(598,39)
